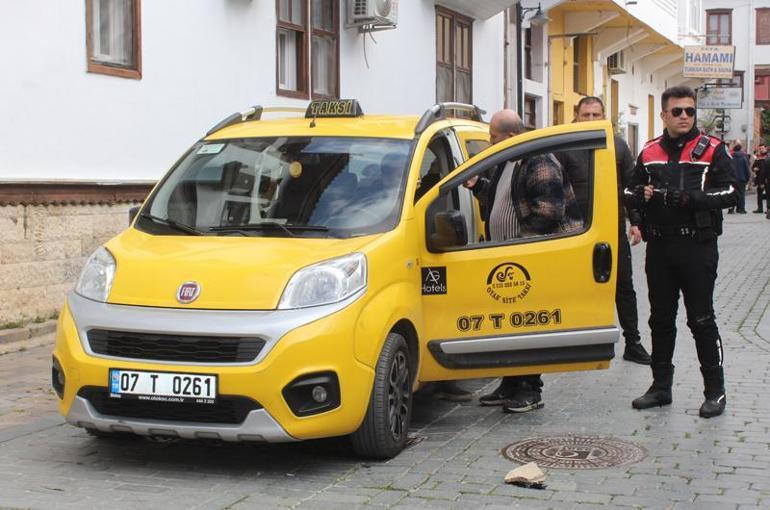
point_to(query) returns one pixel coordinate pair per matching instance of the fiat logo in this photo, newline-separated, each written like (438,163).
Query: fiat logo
(188,292)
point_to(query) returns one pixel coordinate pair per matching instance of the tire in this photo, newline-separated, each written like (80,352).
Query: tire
(385,428)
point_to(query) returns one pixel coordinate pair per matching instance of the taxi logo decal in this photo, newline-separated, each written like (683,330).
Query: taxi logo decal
(433,280)
(508,283)
(188,292)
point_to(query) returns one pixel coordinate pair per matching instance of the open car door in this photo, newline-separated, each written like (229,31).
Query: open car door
(530,304)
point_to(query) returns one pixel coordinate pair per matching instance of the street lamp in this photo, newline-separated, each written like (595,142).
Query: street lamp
(538,20)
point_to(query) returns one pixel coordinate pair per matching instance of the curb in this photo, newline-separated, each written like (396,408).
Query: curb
(32,330)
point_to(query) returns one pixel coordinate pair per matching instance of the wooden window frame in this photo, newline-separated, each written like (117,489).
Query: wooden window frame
(305,71)
(530,100)
(766,12)
(720,12)
(336,35)
(579,72)
(303,80)
(96,67)
(455,18)
(528,67)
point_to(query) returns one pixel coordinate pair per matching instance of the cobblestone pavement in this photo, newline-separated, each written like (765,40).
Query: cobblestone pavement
(691,462)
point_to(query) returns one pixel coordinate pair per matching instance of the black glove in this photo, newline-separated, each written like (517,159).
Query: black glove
(634,197)
(682,199)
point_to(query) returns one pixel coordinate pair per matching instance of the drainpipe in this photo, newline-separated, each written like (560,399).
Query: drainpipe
(519,63)
(748,81)
(506,44)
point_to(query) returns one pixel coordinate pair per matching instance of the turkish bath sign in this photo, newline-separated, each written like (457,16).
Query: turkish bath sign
(721,97)
(709,61)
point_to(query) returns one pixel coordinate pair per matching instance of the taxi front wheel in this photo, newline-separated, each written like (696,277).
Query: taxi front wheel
(384,431)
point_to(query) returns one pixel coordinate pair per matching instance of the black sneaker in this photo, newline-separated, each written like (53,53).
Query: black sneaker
(760,211)
(524,401)
(451,391)
(636,354)
(502,393)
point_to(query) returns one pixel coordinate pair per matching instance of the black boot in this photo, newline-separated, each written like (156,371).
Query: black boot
(635,352)
(659,393)
(714,391)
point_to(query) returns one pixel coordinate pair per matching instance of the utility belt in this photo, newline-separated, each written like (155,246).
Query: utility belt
(667,231)
(705,229)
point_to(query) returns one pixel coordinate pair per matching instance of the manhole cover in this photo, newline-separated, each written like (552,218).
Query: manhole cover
(575,452)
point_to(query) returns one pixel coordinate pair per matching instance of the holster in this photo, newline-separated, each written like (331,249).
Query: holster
(704,226)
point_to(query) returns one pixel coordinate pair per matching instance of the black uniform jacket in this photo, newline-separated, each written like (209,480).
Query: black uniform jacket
(577,167)
(669,163)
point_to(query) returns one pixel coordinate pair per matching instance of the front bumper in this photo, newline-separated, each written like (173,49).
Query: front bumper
(258,426)
(298,343)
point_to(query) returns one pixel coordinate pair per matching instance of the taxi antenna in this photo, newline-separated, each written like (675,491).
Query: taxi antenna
(312,121)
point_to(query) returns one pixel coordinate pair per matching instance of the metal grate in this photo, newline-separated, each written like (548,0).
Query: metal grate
(360,7)
(575,452)
(227,409)
(179,348)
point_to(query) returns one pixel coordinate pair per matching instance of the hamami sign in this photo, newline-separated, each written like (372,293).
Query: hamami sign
(709,61)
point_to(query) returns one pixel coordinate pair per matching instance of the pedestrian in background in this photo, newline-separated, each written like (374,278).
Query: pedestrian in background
(759,178)
(578,168)
(742,176)
(681,182)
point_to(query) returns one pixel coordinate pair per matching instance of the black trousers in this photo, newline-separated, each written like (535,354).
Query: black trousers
(740,190)
(534,382)
(625,297)
(760,197)
(688,265)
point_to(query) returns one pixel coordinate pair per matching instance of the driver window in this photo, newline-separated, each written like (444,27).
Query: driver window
(523,198)
(436,164)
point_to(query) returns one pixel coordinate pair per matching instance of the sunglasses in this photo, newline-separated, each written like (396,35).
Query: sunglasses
(676,112)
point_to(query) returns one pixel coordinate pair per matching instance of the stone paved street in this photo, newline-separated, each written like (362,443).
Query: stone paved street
(720,463)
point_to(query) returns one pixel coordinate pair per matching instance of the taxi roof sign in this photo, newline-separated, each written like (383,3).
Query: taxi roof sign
(333,108)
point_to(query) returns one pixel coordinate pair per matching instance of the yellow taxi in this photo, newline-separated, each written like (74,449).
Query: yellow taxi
(298,277)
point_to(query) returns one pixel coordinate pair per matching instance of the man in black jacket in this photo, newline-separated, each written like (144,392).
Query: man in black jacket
(759,177)
(681,183)
(742,176)
(577,166)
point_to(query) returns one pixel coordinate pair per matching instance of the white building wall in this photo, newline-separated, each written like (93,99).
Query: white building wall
(746,52)
(201,60)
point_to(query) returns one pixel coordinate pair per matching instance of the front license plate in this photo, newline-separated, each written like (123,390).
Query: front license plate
(163,386)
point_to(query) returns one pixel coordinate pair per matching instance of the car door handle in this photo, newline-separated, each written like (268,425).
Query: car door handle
(602,262)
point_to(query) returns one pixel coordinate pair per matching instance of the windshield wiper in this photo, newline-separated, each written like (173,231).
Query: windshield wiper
(271,225)
(181,227)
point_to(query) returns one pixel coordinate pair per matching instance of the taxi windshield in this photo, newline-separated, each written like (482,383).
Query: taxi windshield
(282,186)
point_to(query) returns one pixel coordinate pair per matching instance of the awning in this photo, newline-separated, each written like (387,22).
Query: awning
(477,9)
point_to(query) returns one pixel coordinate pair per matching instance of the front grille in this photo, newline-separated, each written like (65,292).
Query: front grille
(180,348)
(227,409)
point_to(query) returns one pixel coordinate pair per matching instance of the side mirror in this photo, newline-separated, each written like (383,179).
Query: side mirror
(449,230)
(132,213)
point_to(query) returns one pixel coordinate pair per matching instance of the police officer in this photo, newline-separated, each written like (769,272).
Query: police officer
(681,182)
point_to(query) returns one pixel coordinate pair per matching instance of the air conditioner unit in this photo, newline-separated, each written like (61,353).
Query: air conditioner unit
(378,13)
(616,63)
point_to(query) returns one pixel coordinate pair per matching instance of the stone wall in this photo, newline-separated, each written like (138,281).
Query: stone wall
(42,250)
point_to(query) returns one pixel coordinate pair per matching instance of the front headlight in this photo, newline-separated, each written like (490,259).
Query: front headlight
(327,282)
(96,278)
